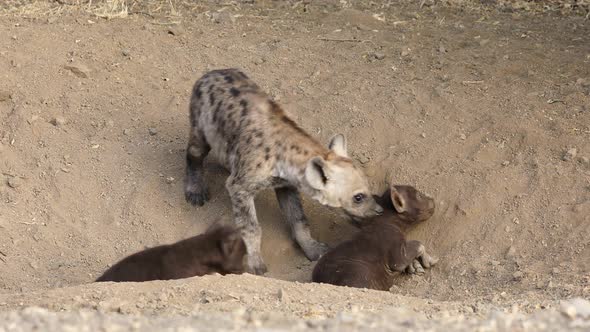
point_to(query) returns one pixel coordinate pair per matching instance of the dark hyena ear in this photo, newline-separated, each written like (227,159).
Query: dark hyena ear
(338,145)
(399,202)
(230,244)
(315,173)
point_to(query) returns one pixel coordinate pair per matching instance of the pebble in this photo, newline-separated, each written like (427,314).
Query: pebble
(125,52)
(80,69)
(423,135)
(583,82)
(505,163)
(126,132)
(511,252)
(58,121)
(176,31)
(495,263)
(170,180)
(152,131)
(584,160)
(223,17)
(5,96)
(282,295)
(378,55)
(364,159)
(259,61)
(14,182)
(555,270)
(405,53)
(33,119)
(463,137)
(570,154)
(517,275)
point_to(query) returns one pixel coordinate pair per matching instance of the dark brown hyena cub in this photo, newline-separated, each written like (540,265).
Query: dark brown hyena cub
(219,250)
(369,259)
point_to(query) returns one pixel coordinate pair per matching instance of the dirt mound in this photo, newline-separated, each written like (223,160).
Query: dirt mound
(489,114)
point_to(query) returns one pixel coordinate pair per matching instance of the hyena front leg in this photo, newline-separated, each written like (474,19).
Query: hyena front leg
(242,199)
(196,191)
(290,204)
(402,259)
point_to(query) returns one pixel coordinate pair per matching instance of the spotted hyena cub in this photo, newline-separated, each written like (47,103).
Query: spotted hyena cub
(262,147)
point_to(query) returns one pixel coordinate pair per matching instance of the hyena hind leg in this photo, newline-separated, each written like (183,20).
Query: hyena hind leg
(196,191)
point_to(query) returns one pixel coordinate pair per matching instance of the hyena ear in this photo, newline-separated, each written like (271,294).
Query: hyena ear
(315,173)
(338,145)
(399,202)
(230,244)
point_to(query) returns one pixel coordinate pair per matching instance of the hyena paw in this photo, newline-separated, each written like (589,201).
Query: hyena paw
(424,261)
(314,250)
(427,261)
(196,194)
(415,267)
(256,265)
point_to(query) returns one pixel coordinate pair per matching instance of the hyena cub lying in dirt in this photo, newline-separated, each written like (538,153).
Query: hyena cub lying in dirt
(219,250)
(370,259)
(262,147)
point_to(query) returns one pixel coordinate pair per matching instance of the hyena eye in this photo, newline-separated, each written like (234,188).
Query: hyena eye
(358,198)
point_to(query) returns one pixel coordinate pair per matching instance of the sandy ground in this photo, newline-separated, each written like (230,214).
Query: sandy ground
(486,110)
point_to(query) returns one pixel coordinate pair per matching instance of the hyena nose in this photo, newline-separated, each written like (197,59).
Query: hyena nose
(379,210)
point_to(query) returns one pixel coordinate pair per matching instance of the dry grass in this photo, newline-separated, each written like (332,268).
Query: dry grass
(172,10)
(107,9)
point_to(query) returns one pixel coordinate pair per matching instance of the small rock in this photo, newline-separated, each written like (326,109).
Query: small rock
(378,55)
(33,119)
(505,163)
(79,69)
(583,82)
(423,135)
(511,253)
(170,180)
(584,160)
(495,263)
(570,154)
(363,159)
(14,182)
(126,132)
(282,295)
(176,31)
(405,53)
(463,137)
(259,61)
(517,275)
(34,265)
(58,121)
(152,131)
(125,52)
(223,17)
(5,96)
(555,270)
(484,42)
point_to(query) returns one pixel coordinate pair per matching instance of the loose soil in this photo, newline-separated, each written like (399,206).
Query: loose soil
(486,110)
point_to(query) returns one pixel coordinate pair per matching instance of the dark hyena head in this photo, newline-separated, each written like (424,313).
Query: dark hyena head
(338,183)
(230,250)
(410,205)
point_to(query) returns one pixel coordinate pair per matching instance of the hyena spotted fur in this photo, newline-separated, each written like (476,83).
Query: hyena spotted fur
(262,147)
